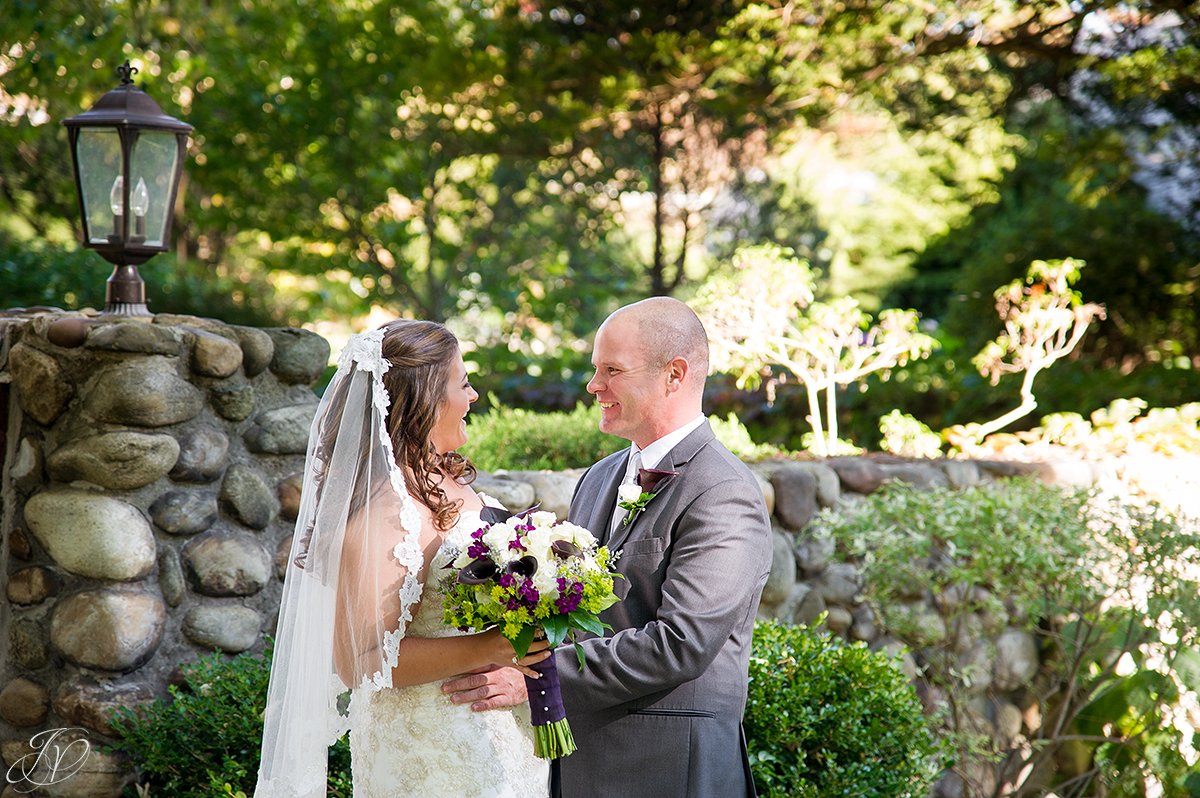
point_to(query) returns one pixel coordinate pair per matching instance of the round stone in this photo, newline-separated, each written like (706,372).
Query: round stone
(1016,659)
(229,628)
(227,563)
(283,430)
(108,629)
(247,497)
(18,543)
(795,496)
(116,460)
(88,703)
(41,388)
(31,585)
(783,570)
(203,455)
(170,577)
(233,402)
(92,535)
(839,583)
(146,392)
(137,337)
(300,356)
(857,474)
(509,491)
(215,355)
(184,512)
(27,644)
(24,702)
(257,349)
(288,492)
(69,333)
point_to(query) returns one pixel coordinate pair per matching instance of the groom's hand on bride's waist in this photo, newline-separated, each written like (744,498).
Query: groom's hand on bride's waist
(493,689)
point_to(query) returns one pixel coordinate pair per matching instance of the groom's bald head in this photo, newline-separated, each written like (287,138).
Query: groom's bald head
(668,329)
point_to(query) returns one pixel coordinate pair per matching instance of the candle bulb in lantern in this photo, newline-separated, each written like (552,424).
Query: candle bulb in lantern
(141,204)
(116,201)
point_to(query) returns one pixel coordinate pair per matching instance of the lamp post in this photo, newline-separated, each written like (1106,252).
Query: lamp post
(128,158)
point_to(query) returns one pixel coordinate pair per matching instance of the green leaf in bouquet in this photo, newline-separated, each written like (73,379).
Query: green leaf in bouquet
(556,627)
(524,639)
(609,600)
(579,655)
(588,623)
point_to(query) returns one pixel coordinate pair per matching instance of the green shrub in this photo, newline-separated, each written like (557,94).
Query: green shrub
(516,439)
(512,438)
(1109,591)
(208,734)
(826,719)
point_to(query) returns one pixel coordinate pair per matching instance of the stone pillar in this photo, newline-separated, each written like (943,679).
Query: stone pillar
(149,485)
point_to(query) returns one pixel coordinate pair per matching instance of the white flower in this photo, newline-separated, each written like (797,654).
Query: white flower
(546,579)
(538,543)
(629,492)
(498,537)
(543,518)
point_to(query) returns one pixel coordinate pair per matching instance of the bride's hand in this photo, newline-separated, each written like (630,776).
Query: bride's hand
(500,652)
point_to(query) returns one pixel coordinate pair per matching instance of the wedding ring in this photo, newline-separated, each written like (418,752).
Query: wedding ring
(514,659)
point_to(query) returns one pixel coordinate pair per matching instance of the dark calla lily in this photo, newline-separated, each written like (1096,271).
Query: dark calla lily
(523,566)
(649,479)
(478,572)
(565,549)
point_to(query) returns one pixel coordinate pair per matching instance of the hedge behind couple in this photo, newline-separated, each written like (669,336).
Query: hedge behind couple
(434,711)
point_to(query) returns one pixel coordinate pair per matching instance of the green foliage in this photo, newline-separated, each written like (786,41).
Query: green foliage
(205,739)
(1110,592)
(1119,429)
(825,719)
(908,437)
(736,438)
(517,439)
(39,274)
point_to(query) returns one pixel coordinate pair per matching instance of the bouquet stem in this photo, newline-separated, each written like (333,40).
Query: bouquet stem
(551,733)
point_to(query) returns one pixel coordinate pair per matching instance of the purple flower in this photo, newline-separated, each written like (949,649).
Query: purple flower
(477,550)
(569,597)
(506,580)
(516,545)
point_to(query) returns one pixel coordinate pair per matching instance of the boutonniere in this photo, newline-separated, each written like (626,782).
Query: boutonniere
(634,496)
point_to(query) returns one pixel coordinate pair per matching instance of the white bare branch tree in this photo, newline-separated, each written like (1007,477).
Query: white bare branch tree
(763,315)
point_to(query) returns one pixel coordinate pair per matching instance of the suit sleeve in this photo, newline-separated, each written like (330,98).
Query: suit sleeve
(721,554)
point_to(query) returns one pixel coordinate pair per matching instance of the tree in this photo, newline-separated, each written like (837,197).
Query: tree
(764,316)
(1044,320)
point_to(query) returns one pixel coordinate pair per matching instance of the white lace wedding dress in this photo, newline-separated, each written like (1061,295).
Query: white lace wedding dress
(411,741)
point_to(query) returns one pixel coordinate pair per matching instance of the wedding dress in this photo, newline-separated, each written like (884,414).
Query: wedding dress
(412,741)
(355,587)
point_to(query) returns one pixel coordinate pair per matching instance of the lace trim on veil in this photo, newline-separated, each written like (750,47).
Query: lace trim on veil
(365,351)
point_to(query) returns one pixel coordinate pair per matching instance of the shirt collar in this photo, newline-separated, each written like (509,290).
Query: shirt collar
(653,454)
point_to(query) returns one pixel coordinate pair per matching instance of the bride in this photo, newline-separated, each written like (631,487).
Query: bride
(386,502)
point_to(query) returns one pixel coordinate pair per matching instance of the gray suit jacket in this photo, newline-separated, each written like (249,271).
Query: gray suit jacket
(657,710)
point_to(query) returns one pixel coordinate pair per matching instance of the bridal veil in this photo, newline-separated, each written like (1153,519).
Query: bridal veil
(352,577)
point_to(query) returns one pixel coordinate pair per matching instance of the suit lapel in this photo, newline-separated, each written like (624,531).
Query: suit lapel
(675,460)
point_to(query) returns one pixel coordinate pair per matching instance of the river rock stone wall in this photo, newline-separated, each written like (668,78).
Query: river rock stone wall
(152,476)
(151,479)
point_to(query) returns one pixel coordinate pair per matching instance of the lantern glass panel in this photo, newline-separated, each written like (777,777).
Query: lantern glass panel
(152,168)
(98,153)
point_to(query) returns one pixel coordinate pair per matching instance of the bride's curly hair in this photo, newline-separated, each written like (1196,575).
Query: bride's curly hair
(421,354)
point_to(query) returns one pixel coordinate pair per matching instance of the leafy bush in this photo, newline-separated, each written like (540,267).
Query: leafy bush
(826,719)
(1109,592)
(512,438)
(517,439)
(208,734)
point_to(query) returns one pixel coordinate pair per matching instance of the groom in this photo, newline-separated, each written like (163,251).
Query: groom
(657,710)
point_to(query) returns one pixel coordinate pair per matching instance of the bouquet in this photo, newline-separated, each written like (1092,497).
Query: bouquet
(528,572)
